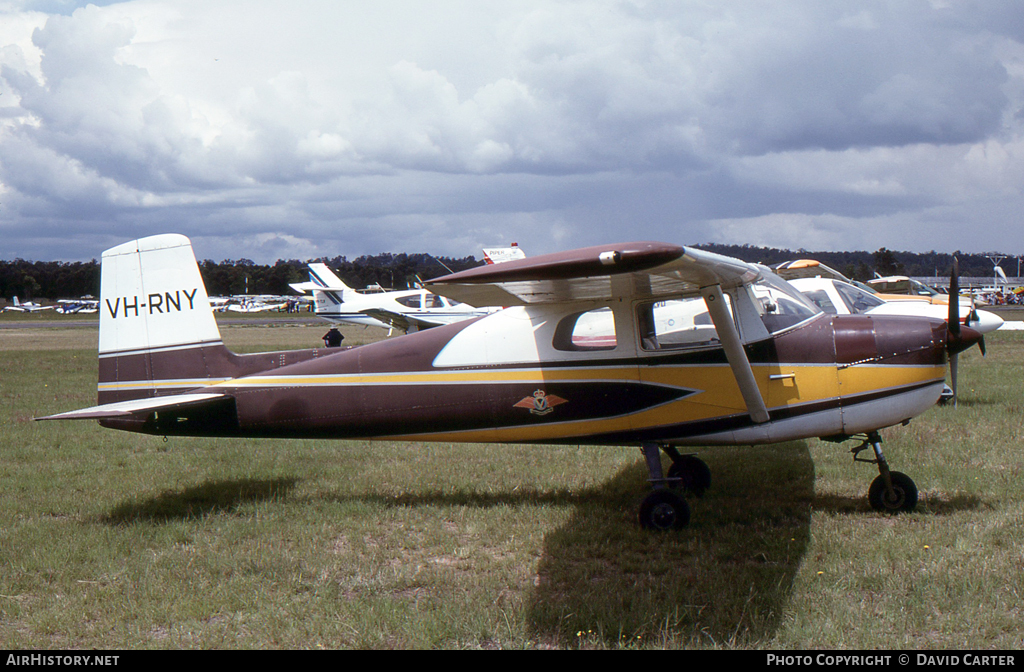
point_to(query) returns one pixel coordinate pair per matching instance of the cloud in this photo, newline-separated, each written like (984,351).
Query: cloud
(394,125)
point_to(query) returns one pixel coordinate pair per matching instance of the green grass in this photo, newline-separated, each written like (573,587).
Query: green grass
(115,540)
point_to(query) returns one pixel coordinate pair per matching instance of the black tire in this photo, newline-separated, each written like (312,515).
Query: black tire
(904,489)
(664,510)
(694,472)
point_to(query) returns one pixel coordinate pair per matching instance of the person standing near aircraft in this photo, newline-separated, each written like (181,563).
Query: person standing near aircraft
(333,338)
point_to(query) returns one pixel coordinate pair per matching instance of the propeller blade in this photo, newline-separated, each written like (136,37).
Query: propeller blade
(954,365)
(981,345)
(954,299)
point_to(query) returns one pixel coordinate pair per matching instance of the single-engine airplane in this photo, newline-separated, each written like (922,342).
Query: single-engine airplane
(755,362)
(407,310)
(26,307)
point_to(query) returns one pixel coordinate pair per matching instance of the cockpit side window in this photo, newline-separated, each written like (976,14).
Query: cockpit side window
(412,301)
(676,324)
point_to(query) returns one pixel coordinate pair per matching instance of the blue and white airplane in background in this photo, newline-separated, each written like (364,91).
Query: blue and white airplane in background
(407,310)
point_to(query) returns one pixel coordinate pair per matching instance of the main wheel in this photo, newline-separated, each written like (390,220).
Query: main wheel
(664,510)
(694,472)
(904,491)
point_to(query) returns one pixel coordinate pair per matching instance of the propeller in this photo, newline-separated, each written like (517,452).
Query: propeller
(959,338)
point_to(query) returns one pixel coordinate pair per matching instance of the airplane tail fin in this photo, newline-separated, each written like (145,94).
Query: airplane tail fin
(499,255)
(17,304)
(325,279)
(158,334)
(329,291)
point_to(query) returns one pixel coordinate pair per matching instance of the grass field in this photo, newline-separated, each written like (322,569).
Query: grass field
(115,540)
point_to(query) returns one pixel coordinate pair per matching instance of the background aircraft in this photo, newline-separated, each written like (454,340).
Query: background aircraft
(499,255)
(904,290)
(407,310)
(838,297)
(27,307)
(773,368)
(76,306)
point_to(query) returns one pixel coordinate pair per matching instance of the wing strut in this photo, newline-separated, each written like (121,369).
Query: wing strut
(734,352)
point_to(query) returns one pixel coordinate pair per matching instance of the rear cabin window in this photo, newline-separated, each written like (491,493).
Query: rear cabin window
(586,330)
(676,324)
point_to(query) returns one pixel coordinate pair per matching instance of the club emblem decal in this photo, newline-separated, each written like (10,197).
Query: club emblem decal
(541,403)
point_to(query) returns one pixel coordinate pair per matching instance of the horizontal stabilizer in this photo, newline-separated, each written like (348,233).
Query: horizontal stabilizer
(123,409)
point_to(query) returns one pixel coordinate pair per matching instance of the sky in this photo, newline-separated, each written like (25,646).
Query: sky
(311,128)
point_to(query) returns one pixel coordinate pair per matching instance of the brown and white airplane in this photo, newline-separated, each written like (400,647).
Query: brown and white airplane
(637,344)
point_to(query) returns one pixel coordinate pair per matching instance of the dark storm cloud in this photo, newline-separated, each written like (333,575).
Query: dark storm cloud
(393,125)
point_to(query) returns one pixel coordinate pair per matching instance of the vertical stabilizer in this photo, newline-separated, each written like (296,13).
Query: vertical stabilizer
(155,320)
(324,278)
(329,291)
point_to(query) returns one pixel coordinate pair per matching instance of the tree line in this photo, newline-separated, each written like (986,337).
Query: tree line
(863,265)
(64,280)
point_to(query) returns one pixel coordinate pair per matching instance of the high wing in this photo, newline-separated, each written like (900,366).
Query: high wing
(630,270)
(638,270)
(807,268)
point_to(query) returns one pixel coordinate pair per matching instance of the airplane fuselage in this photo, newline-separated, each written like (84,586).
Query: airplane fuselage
(833,375)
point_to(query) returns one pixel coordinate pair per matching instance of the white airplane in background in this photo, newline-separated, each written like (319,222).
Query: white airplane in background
(408,310)
(841,298)
(27,307)
(254,304)
(893,288)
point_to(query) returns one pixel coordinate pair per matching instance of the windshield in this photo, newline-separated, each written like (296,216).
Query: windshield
(856,299)
(819,297)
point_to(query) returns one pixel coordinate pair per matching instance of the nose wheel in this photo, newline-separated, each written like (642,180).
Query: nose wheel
(891,491)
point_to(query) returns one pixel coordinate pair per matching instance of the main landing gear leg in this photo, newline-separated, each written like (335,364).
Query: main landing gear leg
(663,509)
(891,491)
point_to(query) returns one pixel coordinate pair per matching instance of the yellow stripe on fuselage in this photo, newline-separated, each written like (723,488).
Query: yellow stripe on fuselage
(535,375)
(717,396)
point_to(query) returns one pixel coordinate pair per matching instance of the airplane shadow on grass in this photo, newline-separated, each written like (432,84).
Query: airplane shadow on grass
(724,580)
(195,502)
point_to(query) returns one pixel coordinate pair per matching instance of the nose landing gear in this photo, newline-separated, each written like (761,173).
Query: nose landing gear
(891,491)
